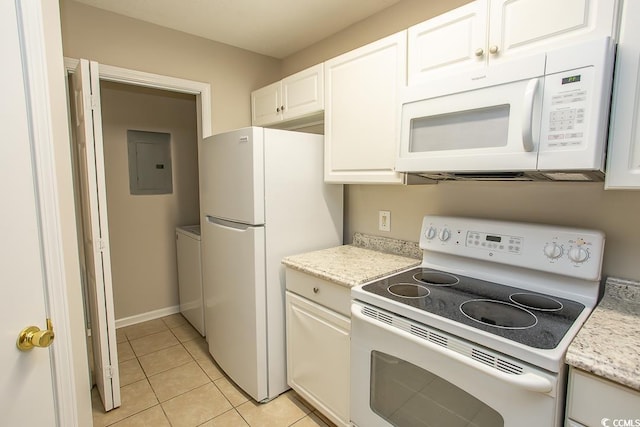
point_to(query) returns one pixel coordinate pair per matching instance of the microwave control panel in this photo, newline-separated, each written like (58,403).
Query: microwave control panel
(566,100)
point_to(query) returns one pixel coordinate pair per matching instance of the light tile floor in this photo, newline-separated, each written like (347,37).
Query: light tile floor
(168,378)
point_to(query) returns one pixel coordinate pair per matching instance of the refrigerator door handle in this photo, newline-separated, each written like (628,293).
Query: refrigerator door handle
(239,226)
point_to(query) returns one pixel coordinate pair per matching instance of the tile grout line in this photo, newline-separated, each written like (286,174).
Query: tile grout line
(224,376)
(210,380)
(193,359)
(146,377)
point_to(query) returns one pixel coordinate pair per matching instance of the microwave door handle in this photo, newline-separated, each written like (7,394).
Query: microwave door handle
(527,119)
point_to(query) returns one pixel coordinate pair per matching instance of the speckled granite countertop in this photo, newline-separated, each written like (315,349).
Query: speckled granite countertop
(608,343)
(352,265)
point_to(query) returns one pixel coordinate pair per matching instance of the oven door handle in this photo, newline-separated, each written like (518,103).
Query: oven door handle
(528,381)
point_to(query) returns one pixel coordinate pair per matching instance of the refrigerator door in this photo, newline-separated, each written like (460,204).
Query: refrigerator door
(234,291)
(232,176)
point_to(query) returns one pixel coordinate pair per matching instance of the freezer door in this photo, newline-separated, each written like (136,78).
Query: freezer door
(233,260)
(232,176)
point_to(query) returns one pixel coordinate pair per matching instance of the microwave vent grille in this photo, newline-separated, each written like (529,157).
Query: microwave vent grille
(547,176)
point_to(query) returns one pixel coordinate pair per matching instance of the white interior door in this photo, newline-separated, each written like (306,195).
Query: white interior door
(88,122)
(26,383)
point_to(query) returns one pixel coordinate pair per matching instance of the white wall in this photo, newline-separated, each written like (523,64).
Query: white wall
(142,227)
(570,204)
(113,39)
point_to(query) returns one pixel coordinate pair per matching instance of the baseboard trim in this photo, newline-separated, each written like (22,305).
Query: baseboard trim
(150,315)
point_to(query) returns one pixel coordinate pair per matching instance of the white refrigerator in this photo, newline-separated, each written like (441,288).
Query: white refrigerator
(262,197)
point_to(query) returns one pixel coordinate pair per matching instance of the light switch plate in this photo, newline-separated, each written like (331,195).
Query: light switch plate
(384,220)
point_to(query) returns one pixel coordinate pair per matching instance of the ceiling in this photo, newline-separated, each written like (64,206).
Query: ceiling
(275,28)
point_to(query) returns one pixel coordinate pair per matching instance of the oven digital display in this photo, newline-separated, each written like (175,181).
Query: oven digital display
(496,239)
(572,79)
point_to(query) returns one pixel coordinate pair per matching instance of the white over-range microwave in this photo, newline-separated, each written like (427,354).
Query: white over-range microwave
(543,117)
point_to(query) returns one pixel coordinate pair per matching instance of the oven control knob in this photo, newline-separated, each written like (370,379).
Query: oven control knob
(444,235)
(431,233)
(578,254)
(553,250)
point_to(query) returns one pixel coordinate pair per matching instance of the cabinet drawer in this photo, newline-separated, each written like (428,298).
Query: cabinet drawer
(592,398)
(323,292)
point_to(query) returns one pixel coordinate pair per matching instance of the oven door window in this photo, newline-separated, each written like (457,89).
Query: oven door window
(408,396)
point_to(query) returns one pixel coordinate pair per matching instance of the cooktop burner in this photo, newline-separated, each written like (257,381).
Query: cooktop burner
(532,319)
(536,302)
(409,290)
(436,278)
(499,314)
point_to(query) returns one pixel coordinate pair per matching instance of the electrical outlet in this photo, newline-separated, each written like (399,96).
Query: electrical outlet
(384,220)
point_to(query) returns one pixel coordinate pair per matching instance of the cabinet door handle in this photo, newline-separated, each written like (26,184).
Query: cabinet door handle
(282,108)
(278,110)
(479,52)
(315,290)
(494,49)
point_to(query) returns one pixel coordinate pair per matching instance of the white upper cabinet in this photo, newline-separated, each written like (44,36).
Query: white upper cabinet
(519,27)
(265,104)
(494,30)
(297,96)
(303,93)
(453,41)
(623,159)
(362,114)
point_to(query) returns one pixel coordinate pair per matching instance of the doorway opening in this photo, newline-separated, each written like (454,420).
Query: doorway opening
(141,227)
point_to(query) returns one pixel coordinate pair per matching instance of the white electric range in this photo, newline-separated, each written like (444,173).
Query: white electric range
(476,335)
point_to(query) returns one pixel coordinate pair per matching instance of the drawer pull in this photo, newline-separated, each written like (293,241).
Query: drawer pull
(315,290)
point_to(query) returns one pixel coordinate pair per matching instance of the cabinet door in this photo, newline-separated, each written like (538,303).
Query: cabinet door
(266,105)
(362,112)
(318,357)
(448,43)
(518,27)
(623,159)
(592,399)
(303,93)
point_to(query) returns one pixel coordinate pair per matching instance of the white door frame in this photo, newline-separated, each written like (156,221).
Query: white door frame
(201,90)
(40,111)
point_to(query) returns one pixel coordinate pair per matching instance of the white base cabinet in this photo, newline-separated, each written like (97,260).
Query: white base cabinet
(591,400)
(318,339)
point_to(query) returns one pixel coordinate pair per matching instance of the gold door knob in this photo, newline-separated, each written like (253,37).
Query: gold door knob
(493,49)
(479,52)
(32,336)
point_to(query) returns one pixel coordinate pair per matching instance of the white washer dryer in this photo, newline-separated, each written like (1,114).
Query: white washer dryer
(190,275)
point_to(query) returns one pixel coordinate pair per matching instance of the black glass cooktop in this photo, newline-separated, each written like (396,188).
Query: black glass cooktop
(530,318)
